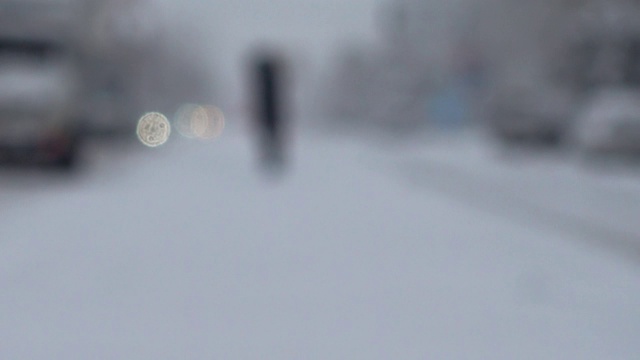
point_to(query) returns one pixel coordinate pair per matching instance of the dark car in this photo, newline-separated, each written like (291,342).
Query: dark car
(531,114)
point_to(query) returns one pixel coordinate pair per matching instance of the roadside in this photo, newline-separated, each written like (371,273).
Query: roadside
(538,189)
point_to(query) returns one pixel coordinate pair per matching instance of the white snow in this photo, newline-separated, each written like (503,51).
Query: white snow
(185,251)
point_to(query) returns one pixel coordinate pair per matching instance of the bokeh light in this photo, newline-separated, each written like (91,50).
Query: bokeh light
(199,121)
(153,129)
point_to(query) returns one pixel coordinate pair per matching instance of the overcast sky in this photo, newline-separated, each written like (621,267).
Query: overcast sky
(226,29)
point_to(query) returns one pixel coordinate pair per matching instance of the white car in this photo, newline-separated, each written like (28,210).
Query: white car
(609,123)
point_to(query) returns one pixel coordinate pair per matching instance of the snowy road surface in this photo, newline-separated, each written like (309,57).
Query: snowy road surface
(184,252)
(559,191)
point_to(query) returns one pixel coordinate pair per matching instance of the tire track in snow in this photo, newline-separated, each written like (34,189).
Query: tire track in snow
(472,189)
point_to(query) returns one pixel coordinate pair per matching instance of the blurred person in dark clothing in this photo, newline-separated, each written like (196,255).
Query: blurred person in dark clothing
(269,117)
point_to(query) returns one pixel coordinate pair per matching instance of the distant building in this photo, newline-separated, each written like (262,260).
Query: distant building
(460,52)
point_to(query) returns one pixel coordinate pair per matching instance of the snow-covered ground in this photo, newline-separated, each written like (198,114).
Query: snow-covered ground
(562,191)
(187,251)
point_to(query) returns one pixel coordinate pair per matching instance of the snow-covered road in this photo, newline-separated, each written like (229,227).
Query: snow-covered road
(556,190)
(186,252)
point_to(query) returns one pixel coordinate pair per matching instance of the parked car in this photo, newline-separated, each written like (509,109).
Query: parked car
(41,86)
(531,114)
(39,96)
(609,123)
